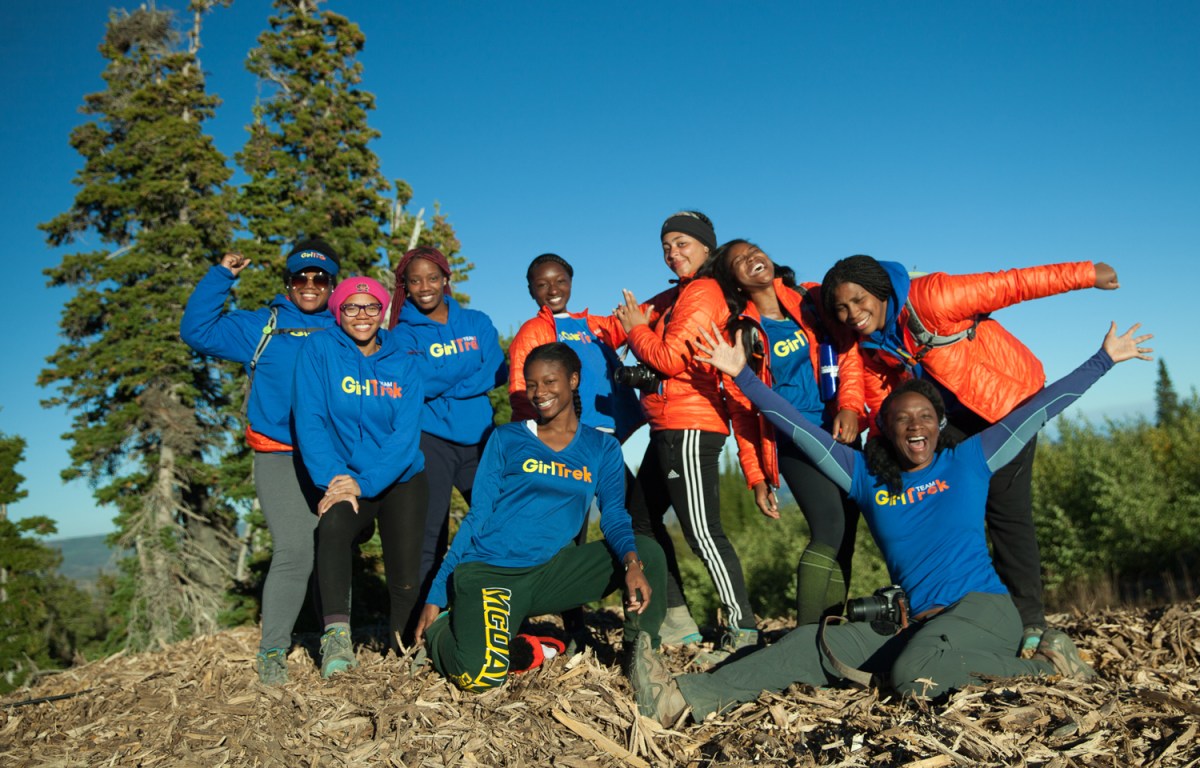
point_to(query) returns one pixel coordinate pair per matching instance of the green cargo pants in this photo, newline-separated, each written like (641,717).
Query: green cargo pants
(469,645)
(976,636)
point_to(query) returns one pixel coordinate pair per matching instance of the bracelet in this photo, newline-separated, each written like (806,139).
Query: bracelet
(638,563)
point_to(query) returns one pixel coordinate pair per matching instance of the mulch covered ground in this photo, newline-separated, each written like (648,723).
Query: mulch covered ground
(199,703)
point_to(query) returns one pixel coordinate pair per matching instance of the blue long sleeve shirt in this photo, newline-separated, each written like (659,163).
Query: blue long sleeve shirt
(207,328)
(529,501)
(932,533)
(358,415)
(462,362)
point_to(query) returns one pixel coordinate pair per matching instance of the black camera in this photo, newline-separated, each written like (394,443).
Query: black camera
(640,376)
(888,604)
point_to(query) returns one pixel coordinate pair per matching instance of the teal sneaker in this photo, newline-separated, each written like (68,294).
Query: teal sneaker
(337,652)
(678,628)
(272,666)
(1030,639)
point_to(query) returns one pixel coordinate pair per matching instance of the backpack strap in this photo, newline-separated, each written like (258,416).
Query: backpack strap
(267,332)
(927,340)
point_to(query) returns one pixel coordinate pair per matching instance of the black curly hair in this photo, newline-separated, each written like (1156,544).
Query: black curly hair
(864,270)
(558,352)
(718,268)
(881,457)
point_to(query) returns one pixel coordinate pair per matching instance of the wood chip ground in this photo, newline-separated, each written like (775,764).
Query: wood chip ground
(198,703)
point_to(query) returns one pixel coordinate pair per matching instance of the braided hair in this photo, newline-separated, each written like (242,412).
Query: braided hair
(562,354)
(880,453)
(864,270)
(718,268)
(540,260)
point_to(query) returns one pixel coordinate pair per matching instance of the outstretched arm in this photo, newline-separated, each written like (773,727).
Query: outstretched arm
(835,461)
(1004,439)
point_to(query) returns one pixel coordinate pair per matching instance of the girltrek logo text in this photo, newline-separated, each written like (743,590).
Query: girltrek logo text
(453,347)
(912,495)
(371,388)
(557,469)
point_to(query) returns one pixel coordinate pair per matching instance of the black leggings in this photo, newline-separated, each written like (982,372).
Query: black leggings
(832,518)
(681,469)
(400,511)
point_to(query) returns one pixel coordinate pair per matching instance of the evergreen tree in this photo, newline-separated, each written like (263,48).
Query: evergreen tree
(1166,400)
(44,619)
(153,190)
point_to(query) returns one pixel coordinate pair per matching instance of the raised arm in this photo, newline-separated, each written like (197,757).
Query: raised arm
(206,327)
(1004,439)
(942,300)
(699,305)
(835,461)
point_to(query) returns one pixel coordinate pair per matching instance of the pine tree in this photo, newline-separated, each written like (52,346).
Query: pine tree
(152,190)
(1166,400)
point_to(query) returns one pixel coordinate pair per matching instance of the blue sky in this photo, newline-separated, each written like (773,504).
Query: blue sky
(960,137)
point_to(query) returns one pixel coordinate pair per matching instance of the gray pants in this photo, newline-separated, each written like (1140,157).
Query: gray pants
(288,500)
(974,637)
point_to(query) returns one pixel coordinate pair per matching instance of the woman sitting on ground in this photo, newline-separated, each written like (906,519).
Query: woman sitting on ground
(514,554)
(924,500)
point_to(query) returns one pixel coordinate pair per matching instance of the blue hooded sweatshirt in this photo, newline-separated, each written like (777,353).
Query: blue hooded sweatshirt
(462,361)
(358,415)
(210,330)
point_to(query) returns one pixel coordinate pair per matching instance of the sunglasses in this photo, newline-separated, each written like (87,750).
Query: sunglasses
(319,280)
(352,310)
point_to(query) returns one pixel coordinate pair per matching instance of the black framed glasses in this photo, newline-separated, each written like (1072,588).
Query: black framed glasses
(319,280)
(370,310)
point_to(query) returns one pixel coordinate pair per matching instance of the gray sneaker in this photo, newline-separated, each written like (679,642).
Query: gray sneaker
(654,687)
(337,652)
(272,666)
(1058,649)
(678,628)
(735,641)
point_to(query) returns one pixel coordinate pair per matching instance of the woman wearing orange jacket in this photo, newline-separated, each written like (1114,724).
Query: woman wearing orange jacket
(605,405)
(783,328)
(937,327)
(688,426)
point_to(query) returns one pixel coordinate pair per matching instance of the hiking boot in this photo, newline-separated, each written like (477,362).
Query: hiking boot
(272,666)
(678,628)
(1058,649)
(1030,639)
(654,687)
(736,641)
(337,652)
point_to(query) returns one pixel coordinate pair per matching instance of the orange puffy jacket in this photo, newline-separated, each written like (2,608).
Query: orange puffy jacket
(689,396)
(992,373)
(540,330)
(755,436)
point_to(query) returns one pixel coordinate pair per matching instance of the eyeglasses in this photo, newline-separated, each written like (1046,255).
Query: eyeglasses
(319,280)
(370,310)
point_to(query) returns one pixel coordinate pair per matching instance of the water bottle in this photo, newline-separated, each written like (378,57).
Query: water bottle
(828,372)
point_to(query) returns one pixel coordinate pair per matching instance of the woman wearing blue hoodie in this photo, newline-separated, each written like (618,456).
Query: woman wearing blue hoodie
(358,395)
(462,362)
(267,342)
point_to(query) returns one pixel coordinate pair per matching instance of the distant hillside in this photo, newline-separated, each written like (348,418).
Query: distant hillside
(84,557)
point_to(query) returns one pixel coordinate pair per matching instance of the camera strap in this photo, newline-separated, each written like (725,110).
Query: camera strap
(853,674)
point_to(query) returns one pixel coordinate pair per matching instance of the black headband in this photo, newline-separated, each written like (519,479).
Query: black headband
(690,224)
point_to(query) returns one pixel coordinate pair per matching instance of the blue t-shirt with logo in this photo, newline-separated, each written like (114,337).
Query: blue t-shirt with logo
(791,367)
(605,406)
(529,500)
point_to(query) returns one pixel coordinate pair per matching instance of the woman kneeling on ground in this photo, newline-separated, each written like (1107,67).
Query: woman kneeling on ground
(923,498)
(514,554)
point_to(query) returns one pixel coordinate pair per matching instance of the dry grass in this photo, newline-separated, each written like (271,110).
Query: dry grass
(200,704)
